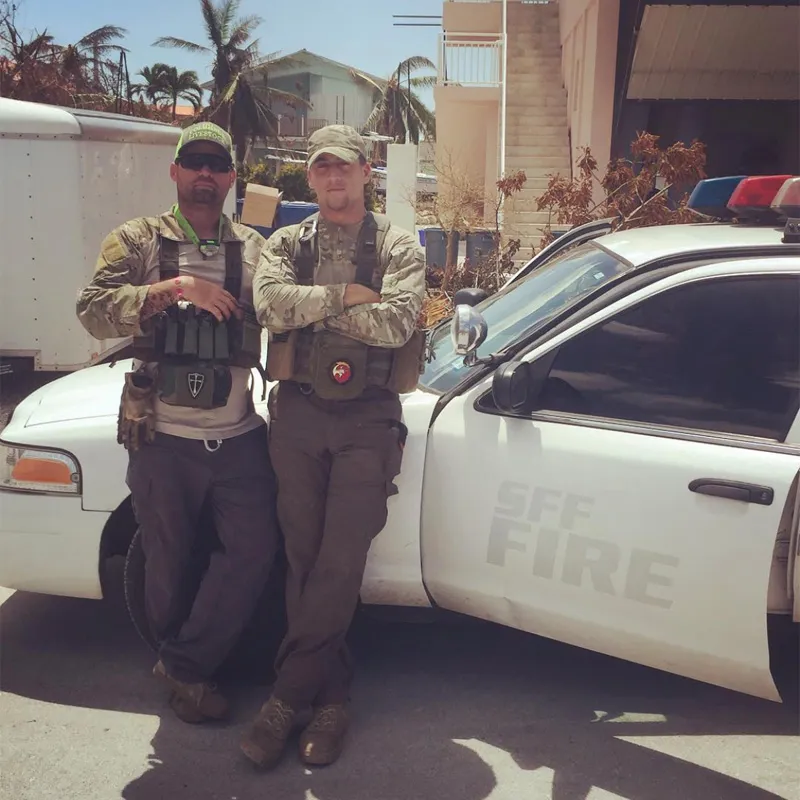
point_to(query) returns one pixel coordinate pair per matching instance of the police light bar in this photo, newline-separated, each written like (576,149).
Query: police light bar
(711,196)
(787,204)
(787,200)
(752,198)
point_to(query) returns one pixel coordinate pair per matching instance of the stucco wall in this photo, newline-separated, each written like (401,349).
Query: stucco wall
(588,57)
(467,134)
(472,17)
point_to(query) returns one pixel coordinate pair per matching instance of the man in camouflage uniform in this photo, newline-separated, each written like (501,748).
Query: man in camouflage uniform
(344,344)
(181,285)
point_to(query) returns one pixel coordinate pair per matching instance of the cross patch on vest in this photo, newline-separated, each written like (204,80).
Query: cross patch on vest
(195,380)
(341,372)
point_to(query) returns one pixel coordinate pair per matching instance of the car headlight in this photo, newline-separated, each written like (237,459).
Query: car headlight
(36,469)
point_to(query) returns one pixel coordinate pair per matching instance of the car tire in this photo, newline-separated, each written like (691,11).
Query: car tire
(133,583)
(253,656)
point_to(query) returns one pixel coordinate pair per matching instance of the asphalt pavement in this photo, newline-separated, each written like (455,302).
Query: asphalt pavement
(453,710)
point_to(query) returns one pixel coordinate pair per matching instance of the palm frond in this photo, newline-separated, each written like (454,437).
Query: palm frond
(212,19)
(244,30)
(194,98)
(182,44)
(376,116)
(424,81)
(229,92)
(226,14)
(101,36)
(426,118)
(414,63)
(287,97)
(360,76)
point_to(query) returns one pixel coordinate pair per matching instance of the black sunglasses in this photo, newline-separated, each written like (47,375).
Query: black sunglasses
(196,162)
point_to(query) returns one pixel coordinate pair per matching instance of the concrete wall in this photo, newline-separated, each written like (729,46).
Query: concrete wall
(589,52)
(472,17)
(467,124)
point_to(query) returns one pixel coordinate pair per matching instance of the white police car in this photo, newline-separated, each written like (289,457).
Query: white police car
(606,452)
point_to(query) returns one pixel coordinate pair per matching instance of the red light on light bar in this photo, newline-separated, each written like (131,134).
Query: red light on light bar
(787,200)
(753,196)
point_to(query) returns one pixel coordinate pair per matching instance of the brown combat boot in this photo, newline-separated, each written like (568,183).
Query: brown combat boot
(322,741)
(193,702)
(264,743)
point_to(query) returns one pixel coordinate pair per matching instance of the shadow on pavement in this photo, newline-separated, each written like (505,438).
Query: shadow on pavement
(445,711)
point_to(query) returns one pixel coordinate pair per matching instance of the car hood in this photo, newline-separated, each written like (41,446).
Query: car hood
(88,393)
(93,393)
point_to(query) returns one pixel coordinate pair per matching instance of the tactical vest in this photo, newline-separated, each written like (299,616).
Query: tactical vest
(338,367)
(193,349)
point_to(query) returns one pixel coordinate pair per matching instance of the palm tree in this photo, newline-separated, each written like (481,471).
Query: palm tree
(399,112)
(84,60)
(183,86)
(237,103)
(153,87)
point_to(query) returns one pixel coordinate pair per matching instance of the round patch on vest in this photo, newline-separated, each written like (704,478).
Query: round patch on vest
(341,372)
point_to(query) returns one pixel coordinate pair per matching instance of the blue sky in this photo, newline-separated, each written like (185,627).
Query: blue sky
(363,36)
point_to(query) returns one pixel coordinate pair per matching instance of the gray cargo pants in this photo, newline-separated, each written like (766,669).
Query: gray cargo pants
(335,463)
(172,481)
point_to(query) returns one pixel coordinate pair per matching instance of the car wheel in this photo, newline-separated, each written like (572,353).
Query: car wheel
(133,582)
(253,655)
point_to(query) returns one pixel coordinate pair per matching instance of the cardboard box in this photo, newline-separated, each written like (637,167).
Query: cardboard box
(260,205)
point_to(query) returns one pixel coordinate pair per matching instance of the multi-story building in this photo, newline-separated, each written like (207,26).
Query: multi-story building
(526,84)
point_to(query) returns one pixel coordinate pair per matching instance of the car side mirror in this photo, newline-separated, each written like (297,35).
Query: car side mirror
(511,386)
(469,296)
(468,330)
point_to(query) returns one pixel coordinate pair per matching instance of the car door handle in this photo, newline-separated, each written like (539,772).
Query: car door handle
(733,490)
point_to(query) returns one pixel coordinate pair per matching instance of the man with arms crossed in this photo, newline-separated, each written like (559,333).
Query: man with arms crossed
(340,295)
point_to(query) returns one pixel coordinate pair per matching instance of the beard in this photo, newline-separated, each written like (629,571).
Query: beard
(338,201)
(200,194)
(204,194)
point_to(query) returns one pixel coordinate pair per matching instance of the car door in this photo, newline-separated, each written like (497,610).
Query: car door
(634,511)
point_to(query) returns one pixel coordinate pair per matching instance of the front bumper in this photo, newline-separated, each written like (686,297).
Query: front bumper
(50,545)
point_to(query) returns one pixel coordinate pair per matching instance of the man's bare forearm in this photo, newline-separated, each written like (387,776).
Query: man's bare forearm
(160,296)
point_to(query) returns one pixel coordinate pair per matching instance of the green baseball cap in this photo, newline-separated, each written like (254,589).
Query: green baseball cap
(206,132)
(340,141)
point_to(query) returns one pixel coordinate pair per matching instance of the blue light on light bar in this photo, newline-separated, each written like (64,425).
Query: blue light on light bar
(711,196)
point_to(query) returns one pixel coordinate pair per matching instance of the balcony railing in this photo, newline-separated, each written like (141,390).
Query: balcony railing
(471,59)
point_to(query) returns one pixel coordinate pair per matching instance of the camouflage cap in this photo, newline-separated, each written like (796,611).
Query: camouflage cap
(340,141)
(206,132)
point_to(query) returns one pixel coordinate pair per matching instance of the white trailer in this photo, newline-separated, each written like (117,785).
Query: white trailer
(67,178)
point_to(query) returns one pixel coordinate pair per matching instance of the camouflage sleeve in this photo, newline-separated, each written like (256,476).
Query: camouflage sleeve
(110,305)
(280,303)
(391,322)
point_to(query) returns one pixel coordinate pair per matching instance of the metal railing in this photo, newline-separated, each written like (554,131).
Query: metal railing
(471,59)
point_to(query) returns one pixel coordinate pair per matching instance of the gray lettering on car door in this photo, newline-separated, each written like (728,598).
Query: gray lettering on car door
(641,577)
(500,541)
(601,559)
(544,555)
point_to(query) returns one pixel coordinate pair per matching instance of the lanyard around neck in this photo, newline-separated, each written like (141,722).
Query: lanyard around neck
(207,247)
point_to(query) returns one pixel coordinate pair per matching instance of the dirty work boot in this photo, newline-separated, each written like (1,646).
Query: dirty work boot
(322,741)
(264,743)
(193,702)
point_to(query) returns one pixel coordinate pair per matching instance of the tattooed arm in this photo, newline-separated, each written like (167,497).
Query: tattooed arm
(111,305)
(160,296)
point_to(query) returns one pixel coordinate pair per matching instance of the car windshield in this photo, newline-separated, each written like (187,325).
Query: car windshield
(519,308)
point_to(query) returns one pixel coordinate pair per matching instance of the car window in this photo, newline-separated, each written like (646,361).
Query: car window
(719,355)
(523,305)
